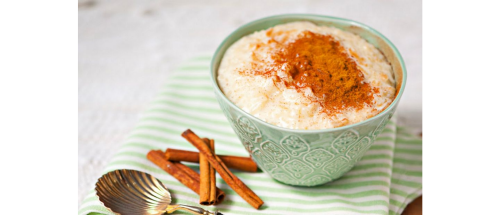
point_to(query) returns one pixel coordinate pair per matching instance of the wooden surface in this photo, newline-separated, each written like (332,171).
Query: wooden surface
(414,208)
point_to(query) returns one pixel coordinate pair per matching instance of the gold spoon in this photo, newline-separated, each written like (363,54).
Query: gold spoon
(138,193)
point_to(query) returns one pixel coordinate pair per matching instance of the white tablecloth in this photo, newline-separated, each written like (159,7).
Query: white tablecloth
(127,49)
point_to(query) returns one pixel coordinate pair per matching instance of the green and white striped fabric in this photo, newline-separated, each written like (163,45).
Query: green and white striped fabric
(387,178)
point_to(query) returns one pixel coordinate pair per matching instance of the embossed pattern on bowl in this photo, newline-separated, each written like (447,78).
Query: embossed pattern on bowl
(304,159)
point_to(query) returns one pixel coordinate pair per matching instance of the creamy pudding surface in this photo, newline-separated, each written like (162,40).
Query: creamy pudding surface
(303,76)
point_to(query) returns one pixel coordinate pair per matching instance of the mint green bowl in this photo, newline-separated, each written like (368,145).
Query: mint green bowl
(307,157)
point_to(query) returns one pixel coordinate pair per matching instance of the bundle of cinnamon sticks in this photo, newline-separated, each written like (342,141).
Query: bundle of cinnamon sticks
(204,183)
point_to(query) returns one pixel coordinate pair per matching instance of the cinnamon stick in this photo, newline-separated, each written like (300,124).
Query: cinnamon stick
(234,162)
(220,195)
(234,182)
(181,172)
(207,178)
(213,193)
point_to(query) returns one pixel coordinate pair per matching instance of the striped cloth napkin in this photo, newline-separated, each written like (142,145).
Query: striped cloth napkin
(387,178)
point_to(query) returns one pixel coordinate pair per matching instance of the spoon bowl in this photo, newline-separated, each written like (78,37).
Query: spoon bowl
(138,193)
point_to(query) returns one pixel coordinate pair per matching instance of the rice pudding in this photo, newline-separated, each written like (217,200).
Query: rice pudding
(303,76)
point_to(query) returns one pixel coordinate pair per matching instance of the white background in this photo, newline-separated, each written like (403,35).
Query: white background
(128,48)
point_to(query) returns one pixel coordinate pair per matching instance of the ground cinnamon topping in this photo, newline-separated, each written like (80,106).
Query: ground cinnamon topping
(319,62)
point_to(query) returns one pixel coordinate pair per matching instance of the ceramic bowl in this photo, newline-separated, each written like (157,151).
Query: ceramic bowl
(307,157)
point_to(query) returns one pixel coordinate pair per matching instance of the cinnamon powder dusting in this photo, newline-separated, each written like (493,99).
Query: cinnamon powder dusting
(320,63)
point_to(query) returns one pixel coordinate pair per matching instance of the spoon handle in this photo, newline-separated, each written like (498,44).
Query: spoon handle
(192,209)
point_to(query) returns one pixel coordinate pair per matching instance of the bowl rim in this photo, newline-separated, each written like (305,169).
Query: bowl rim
(311,17)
